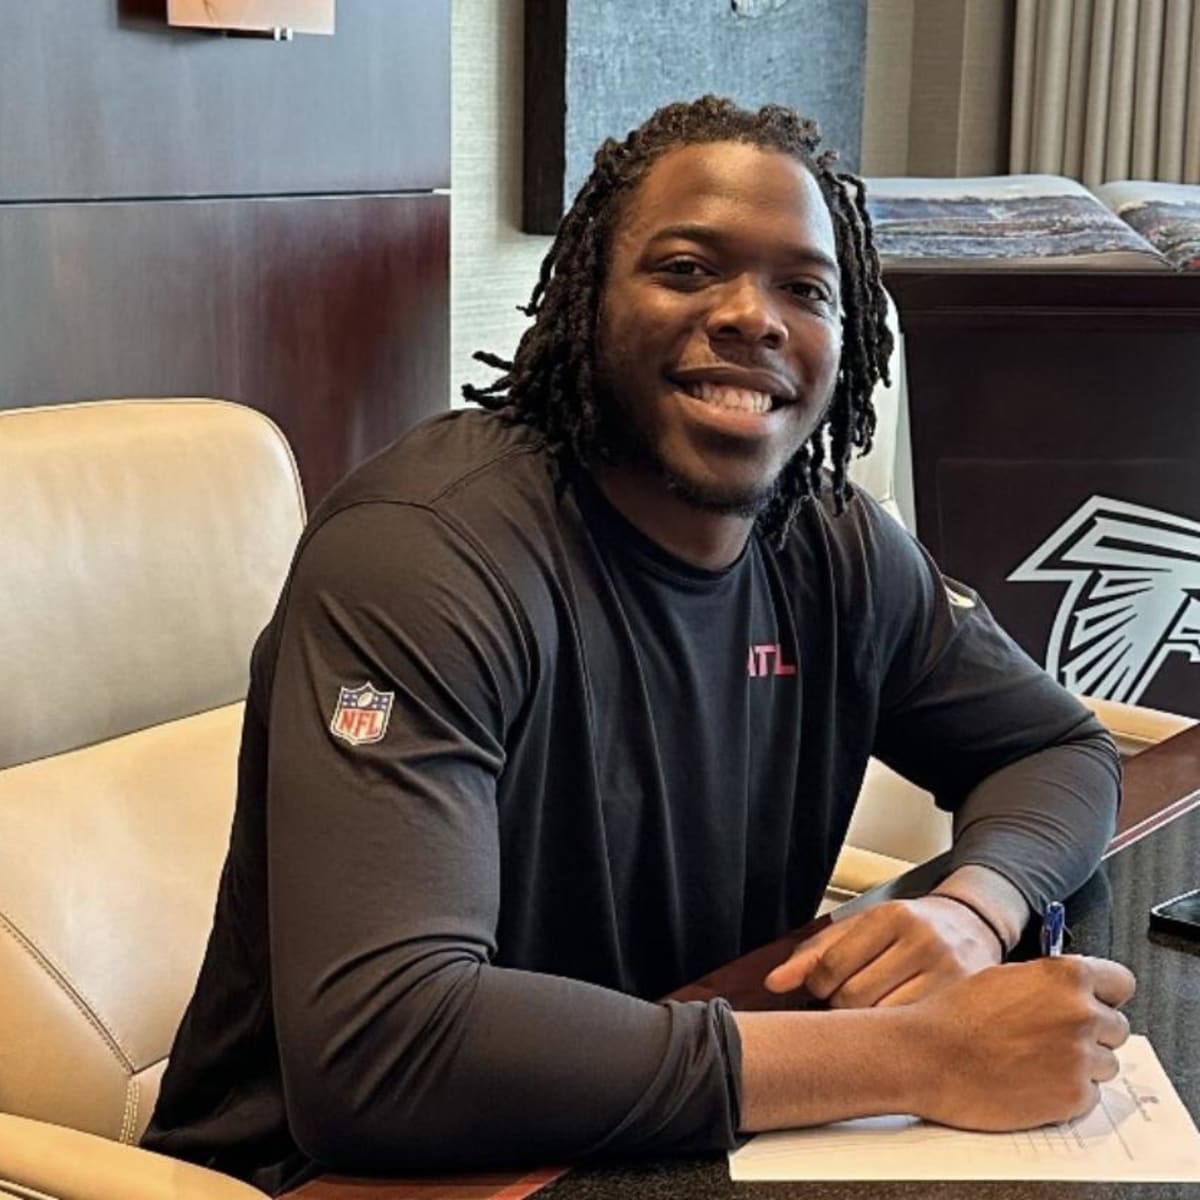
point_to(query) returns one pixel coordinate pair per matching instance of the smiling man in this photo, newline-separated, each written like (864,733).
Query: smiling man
(711,401)
(511,772)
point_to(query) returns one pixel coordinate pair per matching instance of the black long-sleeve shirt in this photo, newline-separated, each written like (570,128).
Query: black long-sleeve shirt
(585,774)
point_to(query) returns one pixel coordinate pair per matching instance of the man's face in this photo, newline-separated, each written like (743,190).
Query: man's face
(719,333)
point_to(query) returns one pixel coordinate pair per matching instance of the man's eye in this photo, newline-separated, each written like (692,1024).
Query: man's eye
(804,290)
(688,268)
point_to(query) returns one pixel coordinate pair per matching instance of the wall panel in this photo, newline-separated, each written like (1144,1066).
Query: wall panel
(97,104)
(328,313)
(185,213)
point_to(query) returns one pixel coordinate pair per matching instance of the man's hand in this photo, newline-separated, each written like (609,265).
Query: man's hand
(1009,1047)
(1022,1045)
(895,953)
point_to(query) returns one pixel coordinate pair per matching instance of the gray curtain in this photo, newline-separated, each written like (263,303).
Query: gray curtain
(1107,89)
(937,87)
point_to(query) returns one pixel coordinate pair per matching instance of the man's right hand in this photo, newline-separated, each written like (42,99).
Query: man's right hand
(1009,1047)
(1020,1045)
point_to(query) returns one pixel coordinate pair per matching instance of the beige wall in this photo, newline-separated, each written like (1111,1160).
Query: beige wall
(492,264)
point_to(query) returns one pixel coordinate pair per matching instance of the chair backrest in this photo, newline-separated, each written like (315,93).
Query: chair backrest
(145,545)
(895,823)
(143,541)
(877,472)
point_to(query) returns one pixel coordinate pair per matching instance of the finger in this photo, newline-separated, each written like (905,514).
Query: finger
(1111,982)
(791,973)
(1091,1099)
(1113,1030)
(1105,1066)
(868,985)
(794,970)
(909,992)
(872,934)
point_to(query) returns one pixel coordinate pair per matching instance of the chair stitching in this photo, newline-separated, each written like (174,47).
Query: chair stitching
(74,994)
(129,1128)
(129,1120)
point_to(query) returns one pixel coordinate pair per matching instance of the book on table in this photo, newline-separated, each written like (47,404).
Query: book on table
(1010,222)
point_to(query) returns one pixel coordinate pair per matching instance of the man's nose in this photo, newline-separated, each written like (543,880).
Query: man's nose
(747,311)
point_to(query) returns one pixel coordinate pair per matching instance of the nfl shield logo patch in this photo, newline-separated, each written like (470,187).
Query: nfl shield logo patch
(361,714)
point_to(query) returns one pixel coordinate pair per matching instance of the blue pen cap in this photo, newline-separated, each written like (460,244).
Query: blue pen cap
(1053,926)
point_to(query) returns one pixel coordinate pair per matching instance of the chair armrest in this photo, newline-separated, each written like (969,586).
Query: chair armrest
(858,870)
(1135,728)
(63,1164)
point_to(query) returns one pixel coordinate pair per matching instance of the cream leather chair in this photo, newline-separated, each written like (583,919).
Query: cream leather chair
(896,824)
(144,547)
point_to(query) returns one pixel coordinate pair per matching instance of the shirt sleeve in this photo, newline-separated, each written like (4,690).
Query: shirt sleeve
(1032,777)
(402,1045)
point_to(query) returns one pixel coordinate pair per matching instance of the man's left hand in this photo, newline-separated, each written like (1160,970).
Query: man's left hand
(895,953)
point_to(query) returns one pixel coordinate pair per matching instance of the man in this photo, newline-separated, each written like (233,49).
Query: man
(506,778)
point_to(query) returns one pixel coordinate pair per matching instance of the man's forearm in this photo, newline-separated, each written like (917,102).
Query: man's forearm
(808,1068)
(1042,822)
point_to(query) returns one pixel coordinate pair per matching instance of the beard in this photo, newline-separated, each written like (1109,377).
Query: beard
(626,444)
(710,498)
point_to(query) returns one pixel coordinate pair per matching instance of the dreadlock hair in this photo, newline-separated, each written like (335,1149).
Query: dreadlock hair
(551,382)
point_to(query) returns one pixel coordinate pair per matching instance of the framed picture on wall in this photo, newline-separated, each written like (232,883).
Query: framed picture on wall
(596,70)
(253,16)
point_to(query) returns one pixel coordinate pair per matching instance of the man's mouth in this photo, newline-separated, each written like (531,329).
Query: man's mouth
(738,399)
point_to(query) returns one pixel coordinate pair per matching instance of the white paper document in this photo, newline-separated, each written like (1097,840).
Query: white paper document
(1139,1132)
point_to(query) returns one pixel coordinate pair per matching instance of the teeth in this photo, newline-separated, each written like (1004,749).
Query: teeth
(741,399)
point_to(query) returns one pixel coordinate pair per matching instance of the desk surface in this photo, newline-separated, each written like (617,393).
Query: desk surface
(1155,855)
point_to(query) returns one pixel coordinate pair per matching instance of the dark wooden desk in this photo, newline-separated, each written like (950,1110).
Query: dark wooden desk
(1155,855)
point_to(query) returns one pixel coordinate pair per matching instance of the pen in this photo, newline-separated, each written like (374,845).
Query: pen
(1053,923)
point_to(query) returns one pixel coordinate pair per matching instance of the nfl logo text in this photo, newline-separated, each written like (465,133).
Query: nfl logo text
(361,714)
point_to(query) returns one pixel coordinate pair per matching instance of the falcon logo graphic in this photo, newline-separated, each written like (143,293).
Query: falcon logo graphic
(1133,596)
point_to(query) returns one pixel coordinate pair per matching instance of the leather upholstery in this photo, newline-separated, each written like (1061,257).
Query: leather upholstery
(145,546)
(109,860)
(127,598)
(875,472)
(48,1162)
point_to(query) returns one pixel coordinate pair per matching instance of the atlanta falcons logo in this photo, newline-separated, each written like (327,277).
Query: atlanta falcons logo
(1133,596)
